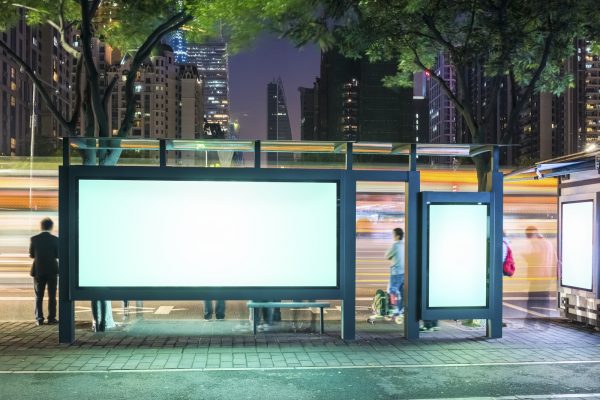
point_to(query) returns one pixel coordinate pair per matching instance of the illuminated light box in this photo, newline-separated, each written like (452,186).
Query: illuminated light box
(458,257)
(577,224)
(158,233)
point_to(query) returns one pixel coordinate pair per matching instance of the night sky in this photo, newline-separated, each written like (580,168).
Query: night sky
(252,69)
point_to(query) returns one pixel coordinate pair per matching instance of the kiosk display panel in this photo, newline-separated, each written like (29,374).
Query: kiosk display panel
(577,225)
(207,233)
(457,255)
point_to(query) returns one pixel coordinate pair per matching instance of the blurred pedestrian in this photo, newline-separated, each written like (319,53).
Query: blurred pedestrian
(44,270)
(396,284)
(429,325)
(219,312)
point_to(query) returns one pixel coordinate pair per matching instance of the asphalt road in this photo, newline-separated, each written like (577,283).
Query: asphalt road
(541,381)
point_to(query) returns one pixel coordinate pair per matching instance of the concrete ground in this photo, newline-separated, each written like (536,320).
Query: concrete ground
(191,359)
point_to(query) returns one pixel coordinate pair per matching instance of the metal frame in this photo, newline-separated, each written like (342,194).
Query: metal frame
(79,173)
(346,178)
(593,198)
(492,284)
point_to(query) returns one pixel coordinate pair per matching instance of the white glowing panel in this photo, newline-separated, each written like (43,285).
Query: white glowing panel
(458,242)
(207,233)
(577,245)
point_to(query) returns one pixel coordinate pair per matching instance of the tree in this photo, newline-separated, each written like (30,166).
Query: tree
(135,27)
(520,44)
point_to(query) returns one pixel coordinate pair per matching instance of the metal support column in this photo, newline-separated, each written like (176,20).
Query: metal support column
(66,307)
(257,154)
(411,277)
(348,275)
(495,185)
(162,152)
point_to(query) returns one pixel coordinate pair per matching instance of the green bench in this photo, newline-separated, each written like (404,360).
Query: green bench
(256,305)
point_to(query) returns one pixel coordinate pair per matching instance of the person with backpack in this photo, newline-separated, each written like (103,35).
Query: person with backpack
(396,284)
(380,306)
(508,269)
(508,261)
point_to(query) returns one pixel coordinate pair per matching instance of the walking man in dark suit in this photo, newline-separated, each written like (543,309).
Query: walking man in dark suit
(44,251)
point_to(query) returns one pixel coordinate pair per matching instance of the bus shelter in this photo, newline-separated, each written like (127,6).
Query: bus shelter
(578,230)
(137,232)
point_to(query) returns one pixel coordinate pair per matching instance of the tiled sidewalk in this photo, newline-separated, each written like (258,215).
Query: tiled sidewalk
(188,344)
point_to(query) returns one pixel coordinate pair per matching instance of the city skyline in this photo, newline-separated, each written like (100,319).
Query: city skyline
(252,69)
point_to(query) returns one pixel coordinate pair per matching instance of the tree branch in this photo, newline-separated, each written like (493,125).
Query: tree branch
(173,23)
(109,90)
(78,99)
(520,99)
(62,29)
(92,72)
(90,123)
(538,72)
(39,84)
(58,26)
(471,25)
(496,82)
(437,34)
(94,7)
(444,85)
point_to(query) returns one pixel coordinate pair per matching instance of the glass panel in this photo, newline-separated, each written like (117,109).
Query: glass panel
(458,260)
(577,245)
(194,240)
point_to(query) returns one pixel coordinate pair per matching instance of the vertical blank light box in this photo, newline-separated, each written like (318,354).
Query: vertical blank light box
(458,255)
(577,224)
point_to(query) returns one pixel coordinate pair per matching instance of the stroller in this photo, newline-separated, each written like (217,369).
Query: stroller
(382,307)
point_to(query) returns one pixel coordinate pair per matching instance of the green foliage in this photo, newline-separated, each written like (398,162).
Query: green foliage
(524,42)
(135,27)
(126,24)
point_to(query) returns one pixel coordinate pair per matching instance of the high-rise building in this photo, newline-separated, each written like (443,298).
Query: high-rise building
(211,60)
(421,107)
(571,121)
(442,113)
(549,126)
(22,112)
(353,103)
(278,120)
(168,98)
(178,43)
(309,112)
(588,96)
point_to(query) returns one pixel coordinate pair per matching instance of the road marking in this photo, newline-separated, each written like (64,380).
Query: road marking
(545,308)
(164,310)
(525,396)
(397,366)
(530,298)
(537,314)
(17,298)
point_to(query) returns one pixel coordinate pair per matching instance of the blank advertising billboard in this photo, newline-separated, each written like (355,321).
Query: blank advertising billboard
(160,233)
(458,255)
(577,224)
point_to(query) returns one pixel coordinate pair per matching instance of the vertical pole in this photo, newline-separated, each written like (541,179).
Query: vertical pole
(257,154)
(495,185)
(162,152)
(348,276)
(66,307)
(66,150)
(411,268)
(31,147)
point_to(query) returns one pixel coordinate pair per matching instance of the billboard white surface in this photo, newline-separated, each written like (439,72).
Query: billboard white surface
(458,244)
(150,233)
(577,244)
